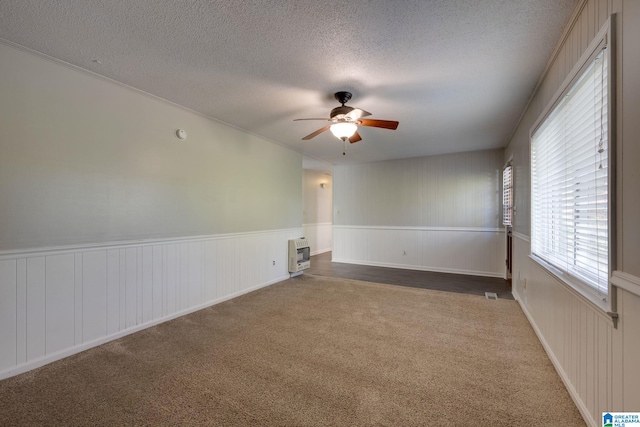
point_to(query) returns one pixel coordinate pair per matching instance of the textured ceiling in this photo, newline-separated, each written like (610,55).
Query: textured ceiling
(457,74)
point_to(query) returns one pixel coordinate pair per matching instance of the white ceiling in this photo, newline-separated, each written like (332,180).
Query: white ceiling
(457,74)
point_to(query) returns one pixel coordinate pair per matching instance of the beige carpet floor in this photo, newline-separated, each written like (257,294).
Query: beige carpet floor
(310,351)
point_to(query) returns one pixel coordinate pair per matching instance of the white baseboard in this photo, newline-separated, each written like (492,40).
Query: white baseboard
(461,250)
(94,294)
(37,363)
(321,251)
(558,367)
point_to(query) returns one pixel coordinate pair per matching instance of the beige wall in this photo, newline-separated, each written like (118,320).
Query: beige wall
(436,213)
(317,210)
(84,160)
(453,190)
(109,224)
(316,201)
(597,362)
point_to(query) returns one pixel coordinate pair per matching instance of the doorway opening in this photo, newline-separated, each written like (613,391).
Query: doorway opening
(507,217)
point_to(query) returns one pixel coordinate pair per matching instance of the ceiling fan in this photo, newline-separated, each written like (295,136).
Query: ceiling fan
(345,121)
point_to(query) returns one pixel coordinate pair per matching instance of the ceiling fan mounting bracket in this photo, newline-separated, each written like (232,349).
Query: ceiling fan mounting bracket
(342,97)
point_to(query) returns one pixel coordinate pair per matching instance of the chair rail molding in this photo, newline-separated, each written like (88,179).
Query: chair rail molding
(55,302)
(461,250)
(626,281)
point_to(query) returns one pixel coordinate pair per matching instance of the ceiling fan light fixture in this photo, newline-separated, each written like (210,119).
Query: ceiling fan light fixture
(345,120)
(343,130)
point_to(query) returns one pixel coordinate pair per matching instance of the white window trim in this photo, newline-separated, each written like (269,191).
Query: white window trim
(605,37)
(511,208)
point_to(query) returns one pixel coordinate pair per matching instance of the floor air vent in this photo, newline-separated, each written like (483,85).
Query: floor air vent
(491,295)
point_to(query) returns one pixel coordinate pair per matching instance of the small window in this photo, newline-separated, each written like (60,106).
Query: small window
(507,195)
(570,170)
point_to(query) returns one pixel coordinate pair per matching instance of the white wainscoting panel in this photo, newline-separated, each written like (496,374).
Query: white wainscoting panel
(59,298)
(588,352)
(60,301)
(8,314)
(475,251)
(319,235)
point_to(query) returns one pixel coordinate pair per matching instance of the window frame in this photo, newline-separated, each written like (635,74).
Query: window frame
(508,208)
(604,38)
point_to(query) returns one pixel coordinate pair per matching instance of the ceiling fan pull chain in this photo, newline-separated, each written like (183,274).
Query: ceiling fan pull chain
(344,147)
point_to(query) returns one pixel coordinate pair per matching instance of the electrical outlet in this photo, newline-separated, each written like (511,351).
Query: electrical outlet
(404,252)
(524,283)
(274,263)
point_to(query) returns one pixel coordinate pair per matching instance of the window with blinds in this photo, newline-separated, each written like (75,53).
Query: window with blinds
(569,182)
(507,195)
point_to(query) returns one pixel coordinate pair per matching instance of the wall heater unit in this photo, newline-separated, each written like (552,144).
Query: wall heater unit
(299,256)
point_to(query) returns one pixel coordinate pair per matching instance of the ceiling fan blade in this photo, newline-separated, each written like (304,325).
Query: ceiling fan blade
(355,137)
(385,124)
(357,113)
(316,133)
(297,120)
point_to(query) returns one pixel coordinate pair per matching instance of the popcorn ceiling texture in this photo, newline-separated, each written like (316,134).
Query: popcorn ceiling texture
(456,74)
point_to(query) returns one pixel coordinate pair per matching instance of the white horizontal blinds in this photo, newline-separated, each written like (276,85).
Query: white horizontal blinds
(569,181)
(507,194)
